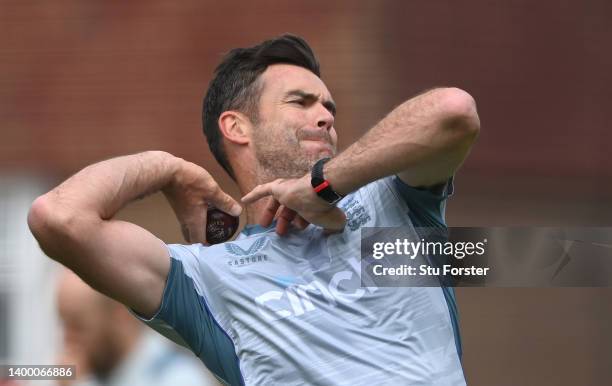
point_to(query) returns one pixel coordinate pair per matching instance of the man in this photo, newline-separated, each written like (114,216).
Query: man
(282,304)
(110,347)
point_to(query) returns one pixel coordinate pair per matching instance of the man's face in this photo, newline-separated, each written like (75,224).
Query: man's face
(296,122)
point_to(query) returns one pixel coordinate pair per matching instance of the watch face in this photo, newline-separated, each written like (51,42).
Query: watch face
(337,199)
(329,195)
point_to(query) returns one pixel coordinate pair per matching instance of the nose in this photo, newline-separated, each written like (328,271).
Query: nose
(325,118)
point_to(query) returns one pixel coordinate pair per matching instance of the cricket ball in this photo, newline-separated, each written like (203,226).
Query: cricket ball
(220,226)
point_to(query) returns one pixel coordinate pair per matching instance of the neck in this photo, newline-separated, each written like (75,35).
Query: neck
(247,180)
(254,210)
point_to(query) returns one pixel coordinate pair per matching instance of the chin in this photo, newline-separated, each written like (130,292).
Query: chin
(317,149)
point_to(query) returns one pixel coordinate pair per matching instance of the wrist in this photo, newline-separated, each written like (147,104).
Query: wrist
(136,177)
(321,185)
(169,162)
(330,171)
(170,167)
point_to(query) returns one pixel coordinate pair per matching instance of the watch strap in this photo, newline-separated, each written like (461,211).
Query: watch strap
(321,186)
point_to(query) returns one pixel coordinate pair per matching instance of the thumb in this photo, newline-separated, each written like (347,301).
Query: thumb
(225,203)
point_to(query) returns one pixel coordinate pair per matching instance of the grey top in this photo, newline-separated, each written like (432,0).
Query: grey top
(271,310)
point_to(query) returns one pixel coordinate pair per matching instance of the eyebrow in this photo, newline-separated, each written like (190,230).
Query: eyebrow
(330,105)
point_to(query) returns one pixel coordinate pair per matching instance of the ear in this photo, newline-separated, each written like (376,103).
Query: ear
(235,127)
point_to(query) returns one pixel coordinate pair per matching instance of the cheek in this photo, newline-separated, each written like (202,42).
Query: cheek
(294,118)
(280,130)
(288,130)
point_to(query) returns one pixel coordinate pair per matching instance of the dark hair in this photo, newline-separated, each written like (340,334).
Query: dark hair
(235,86)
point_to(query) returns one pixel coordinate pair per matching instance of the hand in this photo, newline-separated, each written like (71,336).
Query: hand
(190,193)
(295,201)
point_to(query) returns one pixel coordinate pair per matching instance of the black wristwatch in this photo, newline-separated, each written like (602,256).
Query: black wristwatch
(320,185)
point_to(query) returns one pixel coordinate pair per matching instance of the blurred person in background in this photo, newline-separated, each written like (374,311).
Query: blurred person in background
(283,303)
(109,346)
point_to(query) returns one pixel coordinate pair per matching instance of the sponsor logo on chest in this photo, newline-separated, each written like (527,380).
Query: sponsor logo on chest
(296,299)
(242,257)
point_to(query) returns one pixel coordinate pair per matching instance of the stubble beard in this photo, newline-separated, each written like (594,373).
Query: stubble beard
(280,157)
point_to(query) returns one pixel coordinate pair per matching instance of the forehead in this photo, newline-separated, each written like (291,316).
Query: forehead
(278,79)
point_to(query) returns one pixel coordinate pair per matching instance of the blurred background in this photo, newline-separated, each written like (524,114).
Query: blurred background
(82,81)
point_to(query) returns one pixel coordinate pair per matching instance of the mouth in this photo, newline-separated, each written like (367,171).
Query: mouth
(317,145)
(318,137)
(319,140)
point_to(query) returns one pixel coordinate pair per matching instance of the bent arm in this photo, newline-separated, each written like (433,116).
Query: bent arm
(74,226)
(424,141)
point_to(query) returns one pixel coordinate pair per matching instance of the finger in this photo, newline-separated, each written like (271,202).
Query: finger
(269,212)
(224,202)
(257,193)
(300,223)
(285,217)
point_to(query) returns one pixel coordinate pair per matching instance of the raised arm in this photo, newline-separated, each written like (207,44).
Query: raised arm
(74,223)
(423,141)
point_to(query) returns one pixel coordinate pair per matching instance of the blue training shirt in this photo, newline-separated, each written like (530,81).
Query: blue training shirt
(270,310)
